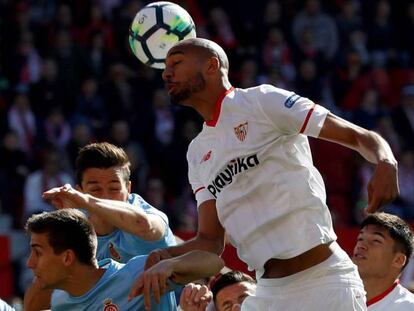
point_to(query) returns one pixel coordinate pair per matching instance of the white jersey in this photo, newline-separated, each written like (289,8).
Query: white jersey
(254,159)
(399,299)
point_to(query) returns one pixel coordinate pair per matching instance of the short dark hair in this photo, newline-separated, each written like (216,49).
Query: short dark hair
(229,278)
(66,229)
(101,155)
(399,230)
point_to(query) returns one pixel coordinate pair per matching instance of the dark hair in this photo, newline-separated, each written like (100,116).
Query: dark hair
(66,229)
(229,278)
(101,155)
(399,230)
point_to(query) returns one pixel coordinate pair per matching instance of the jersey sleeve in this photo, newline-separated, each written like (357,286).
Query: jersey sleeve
(290,113)
(199,189)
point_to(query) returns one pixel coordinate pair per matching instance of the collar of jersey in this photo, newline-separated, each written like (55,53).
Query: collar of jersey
(219,101)
(381,296)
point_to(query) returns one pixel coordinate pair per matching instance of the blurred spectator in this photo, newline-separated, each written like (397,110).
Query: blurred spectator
(320,24)
(164,118)
(369,110)
(406,179)
(308,83)
(98,56)
(156,195)
(277,54)
(348,21)
(14,168)
(48,92)
(49,175)
(81,135)
(25,63)
(91,107)
(22,120)
(381,34)
(56,129)
(404,117)
(98,23)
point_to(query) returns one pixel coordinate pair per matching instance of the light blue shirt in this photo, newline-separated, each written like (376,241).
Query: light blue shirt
(122,246)
(110,293)
(4,306)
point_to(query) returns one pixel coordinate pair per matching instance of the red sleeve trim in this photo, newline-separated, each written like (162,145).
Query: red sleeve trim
(305,123)
(201,188)
(381,296)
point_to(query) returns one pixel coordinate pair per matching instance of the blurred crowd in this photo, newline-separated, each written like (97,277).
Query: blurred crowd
(68,77)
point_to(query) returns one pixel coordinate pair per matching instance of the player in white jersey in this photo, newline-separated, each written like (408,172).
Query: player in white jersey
(252,174)
(383,250)
(63,259)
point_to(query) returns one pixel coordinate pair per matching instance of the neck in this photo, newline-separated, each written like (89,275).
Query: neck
(82,280)
(205,101)
(375,287)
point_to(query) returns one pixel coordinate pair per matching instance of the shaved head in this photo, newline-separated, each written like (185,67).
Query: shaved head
(206,48)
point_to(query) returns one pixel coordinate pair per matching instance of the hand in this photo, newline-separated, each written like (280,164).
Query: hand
(195,297)
(156,256)
(383,186)
(65,197)
(153,280)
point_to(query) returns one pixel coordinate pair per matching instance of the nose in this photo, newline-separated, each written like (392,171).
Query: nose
(30,262)
(167,73)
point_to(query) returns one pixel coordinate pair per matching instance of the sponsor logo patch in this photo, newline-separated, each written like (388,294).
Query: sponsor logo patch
(291,100)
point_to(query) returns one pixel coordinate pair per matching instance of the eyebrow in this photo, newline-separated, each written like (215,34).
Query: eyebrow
(176,52)
(95,182)
(375,233)
(34,245)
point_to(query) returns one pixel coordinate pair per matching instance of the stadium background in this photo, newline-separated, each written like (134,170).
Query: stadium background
(67,77)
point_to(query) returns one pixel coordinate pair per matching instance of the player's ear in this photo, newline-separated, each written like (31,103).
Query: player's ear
(68,257)
(399,260)
(213,65)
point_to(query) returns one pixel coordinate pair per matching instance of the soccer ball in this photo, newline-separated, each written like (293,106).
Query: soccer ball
(156,28)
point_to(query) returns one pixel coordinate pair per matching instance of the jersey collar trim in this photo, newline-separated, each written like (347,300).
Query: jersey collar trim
(383,295)
(213,122)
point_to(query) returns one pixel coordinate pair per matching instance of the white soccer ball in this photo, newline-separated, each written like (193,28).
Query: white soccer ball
(156,28)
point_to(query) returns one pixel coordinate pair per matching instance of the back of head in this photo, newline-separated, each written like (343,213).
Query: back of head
(101,155)
(399,230)
(207,48)
(229,278)
(66,229)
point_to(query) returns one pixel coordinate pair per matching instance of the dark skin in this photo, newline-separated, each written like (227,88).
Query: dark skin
(193,60)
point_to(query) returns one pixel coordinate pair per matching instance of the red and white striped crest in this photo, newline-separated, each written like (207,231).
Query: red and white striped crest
(241,131)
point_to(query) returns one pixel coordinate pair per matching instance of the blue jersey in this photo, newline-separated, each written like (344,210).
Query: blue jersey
(110,293)
(122,246)
(5,307)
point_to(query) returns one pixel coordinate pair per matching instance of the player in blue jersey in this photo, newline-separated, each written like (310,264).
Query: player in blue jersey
(63,259)
(126,225)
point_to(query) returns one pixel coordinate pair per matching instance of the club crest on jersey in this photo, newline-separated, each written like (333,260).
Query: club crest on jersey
(206,157)
(109,306)
(291,100)
(114,253)
(241,131)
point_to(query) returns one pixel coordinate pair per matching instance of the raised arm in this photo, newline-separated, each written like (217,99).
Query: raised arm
(383,186)
(210,236)
(120,214)
(182,269)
